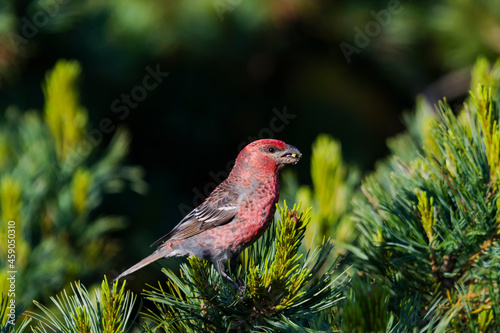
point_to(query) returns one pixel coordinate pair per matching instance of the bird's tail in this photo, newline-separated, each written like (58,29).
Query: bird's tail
(160,253)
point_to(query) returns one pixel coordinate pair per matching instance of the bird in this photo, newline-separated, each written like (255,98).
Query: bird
(235,214)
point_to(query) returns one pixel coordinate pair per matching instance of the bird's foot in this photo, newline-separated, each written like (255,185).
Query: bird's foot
(240,287)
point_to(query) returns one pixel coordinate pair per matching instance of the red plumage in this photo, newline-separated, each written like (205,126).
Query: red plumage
(235,214)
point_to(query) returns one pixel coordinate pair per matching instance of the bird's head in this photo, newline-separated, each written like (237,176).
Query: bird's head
(268,155)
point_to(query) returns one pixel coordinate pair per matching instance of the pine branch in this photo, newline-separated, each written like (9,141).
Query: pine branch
(112,311)
(431,218)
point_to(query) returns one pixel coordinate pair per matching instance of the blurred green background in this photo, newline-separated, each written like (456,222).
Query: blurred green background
(235,68)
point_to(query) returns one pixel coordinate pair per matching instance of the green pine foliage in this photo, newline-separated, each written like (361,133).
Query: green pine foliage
(52,177)
(367,308)
(111,311)
(430,223)
(333,188)
(283,290)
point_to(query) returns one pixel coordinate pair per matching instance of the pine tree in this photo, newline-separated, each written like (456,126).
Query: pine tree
(52,178)
(430,222)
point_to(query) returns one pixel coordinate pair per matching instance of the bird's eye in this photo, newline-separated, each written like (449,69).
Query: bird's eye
(271,149)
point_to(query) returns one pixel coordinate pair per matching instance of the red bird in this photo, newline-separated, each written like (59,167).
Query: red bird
(235,214)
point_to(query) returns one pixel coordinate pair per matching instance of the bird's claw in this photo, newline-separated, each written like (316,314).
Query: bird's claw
(241,287)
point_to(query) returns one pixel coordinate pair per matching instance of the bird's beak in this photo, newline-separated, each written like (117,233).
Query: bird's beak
(291,155)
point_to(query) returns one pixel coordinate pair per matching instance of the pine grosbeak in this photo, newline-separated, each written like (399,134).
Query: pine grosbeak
(235,214)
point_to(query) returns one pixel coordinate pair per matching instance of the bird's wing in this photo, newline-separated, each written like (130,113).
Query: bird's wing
(211,213)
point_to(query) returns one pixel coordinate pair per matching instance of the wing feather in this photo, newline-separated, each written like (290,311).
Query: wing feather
(210,214)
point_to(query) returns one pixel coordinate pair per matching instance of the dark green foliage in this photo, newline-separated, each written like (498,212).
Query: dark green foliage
(430,221)
(366,309)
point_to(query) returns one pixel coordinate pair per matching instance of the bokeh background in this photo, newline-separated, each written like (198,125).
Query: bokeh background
(235,69)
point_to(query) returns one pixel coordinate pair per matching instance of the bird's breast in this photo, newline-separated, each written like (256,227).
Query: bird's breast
(256,211)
